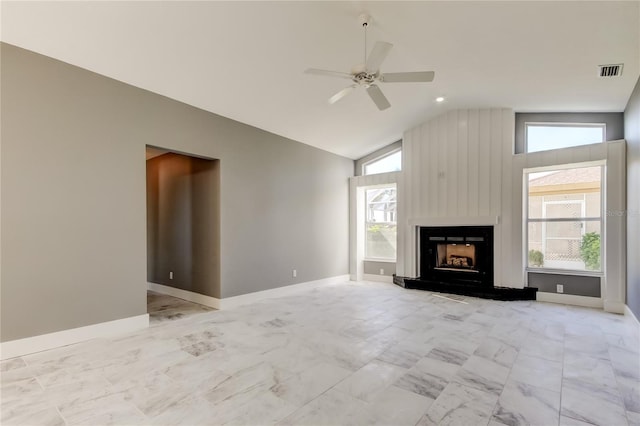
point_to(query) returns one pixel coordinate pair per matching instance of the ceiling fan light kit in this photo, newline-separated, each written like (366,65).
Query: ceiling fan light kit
(368,73)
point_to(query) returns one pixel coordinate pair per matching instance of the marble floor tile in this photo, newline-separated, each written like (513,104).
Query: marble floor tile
(331,408)
(537,372)
(630,393)
(551,350)
(46,417)
(628,342)
(591,345)
(370,380)
(448,353)
(482,374)
(192,411)
(246,385)
(633,418)
(625,363)
(396,406)
(592,405)
(265,409)
(569,421)
(347,353)
(12,364)
(428,377)
(196,374)
(460,405)
(404,354)
(497,351)
(521,404)
(302,387)
(163,308)
(108,408)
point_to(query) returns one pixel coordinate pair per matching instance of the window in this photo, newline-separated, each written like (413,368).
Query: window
(381,229)
(545,136)
(391,162)
(564,218)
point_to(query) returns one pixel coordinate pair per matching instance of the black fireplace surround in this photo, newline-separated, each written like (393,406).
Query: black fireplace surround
(459,260)
(457,255)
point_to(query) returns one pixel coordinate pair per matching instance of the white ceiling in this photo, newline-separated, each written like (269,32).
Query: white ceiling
(245,60)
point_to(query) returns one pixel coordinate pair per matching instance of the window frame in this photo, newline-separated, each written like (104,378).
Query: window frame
(526,220)
(527,124)
(380,158)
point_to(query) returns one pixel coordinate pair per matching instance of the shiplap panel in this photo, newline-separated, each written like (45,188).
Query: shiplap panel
(424,168)
(615,222)
(495,187)
(416,163)
(451,174)
(565,156)
(407,148)
(473,174)
(484,163)
(463,162)
(598,150)
(441,123)
(509,256)
(517,228)
(432,210)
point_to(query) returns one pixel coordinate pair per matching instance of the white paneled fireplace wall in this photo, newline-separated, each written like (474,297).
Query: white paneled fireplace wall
(460,169)
(453,175)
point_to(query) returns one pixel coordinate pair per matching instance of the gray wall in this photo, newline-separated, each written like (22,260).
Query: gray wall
(73,197)
(613,120)
(373,268)
(375,154)
(183,223)
(632,135)
(572,284)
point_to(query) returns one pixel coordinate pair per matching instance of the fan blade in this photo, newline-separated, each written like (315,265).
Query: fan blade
(408,77)
(341,94)
(378,97)
(377,56)
(328,73)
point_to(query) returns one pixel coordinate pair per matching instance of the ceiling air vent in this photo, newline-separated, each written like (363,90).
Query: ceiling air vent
(609,70)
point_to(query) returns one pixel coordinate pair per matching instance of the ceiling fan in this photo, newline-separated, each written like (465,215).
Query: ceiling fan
(368,74)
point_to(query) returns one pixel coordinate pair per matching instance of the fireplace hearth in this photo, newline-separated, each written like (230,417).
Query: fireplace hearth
(459,260)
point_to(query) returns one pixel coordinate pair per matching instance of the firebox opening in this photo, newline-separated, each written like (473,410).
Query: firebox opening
(458,257)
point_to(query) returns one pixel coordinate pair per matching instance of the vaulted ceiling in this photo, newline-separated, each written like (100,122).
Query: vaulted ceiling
(245,60)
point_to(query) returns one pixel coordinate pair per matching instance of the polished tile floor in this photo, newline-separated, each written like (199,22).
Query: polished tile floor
(352,353)
(162,308)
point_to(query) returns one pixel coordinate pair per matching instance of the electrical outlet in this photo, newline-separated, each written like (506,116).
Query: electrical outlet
(294,273)
(171,275)
(381,271)
(559,288)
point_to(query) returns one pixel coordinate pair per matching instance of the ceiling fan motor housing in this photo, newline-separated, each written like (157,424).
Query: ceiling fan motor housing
(364,19)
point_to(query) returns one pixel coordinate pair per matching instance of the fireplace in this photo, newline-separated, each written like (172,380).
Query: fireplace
(457,255)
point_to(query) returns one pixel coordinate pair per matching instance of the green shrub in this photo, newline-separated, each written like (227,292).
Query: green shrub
(536,258)
(590,250)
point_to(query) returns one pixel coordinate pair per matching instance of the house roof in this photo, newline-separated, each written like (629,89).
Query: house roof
(573,176)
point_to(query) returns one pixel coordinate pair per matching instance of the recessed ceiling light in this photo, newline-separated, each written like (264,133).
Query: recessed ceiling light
(440,99)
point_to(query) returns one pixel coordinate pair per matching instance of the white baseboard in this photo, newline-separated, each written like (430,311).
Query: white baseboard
(569,299)
(29,345)
(630,313)
(378,278)
(245,299)
(614,307)
(201,299)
